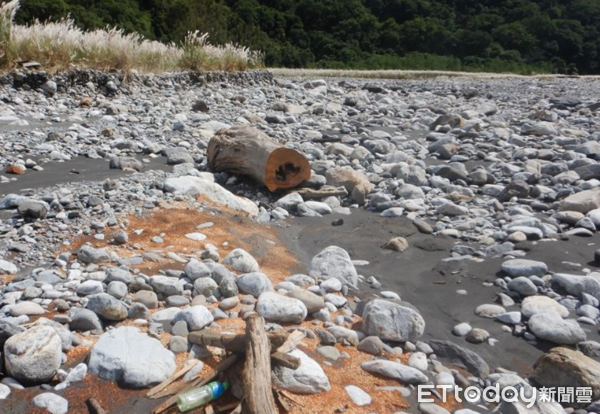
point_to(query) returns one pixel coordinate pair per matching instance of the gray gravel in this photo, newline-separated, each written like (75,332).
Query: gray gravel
(469,173)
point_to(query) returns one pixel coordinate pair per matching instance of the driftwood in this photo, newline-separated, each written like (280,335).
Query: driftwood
(260,350)
(248,151)
(228,407)
(232,342)
(290,397)
(282,402)
(174,390)
(222,367)
(237,344)
(95,406)
(291,342)
(237,410)
(324,192)
(257,369)
(169,380)
(285,360)
(327,139)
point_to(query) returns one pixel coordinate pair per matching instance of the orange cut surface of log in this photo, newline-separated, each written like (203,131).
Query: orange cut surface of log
(248,151)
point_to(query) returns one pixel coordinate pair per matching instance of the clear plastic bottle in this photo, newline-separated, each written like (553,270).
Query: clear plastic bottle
(201,396)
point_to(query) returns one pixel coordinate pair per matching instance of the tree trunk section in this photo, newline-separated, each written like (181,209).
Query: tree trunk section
(248,151)
(257,369)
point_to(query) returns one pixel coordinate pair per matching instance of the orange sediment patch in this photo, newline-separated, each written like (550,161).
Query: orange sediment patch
(344,372)
(348,371)
(230,231)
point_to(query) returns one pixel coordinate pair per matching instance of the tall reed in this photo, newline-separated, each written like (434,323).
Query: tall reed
(59,45)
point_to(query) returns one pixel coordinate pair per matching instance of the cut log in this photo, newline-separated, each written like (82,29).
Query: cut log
(248,151)
(257,369)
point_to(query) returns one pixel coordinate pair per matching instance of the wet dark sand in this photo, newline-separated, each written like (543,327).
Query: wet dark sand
(420,278)
(78,169)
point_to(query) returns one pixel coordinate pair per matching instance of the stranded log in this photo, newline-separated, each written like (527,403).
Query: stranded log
(248,151)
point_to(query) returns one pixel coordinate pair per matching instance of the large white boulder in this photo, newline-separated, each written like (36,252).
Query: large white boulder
(280,309)
(131,358)
(33,356)
(334,262)
(309,378)
(392,322)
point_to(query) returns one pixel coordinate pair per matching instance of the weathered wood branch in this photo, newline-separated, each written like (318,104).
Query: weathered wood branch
(257,346)
(248,151)
(327,139)
(285,360)
(292,342)
(281,402)
(169,380)
(232,342)
(237,344)
(95,406)
(324,192)
(290,397)
(257,369)
(237,410)
(228,407)
(222,367)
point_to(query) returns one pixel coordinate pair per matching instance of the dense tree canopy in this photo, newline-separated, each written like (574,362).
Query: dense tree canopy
(513,35)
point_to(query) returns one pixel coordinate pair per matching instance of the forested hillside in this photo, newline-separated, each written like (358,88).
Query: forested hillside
(499,35)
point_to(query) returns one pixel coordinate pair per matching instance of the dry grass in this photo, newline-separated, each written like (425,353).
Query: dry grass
(7,16)
(61,45)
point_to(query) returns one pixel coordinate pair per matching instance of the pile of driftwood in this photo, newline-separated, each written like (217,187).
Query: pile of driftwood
(257,350)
